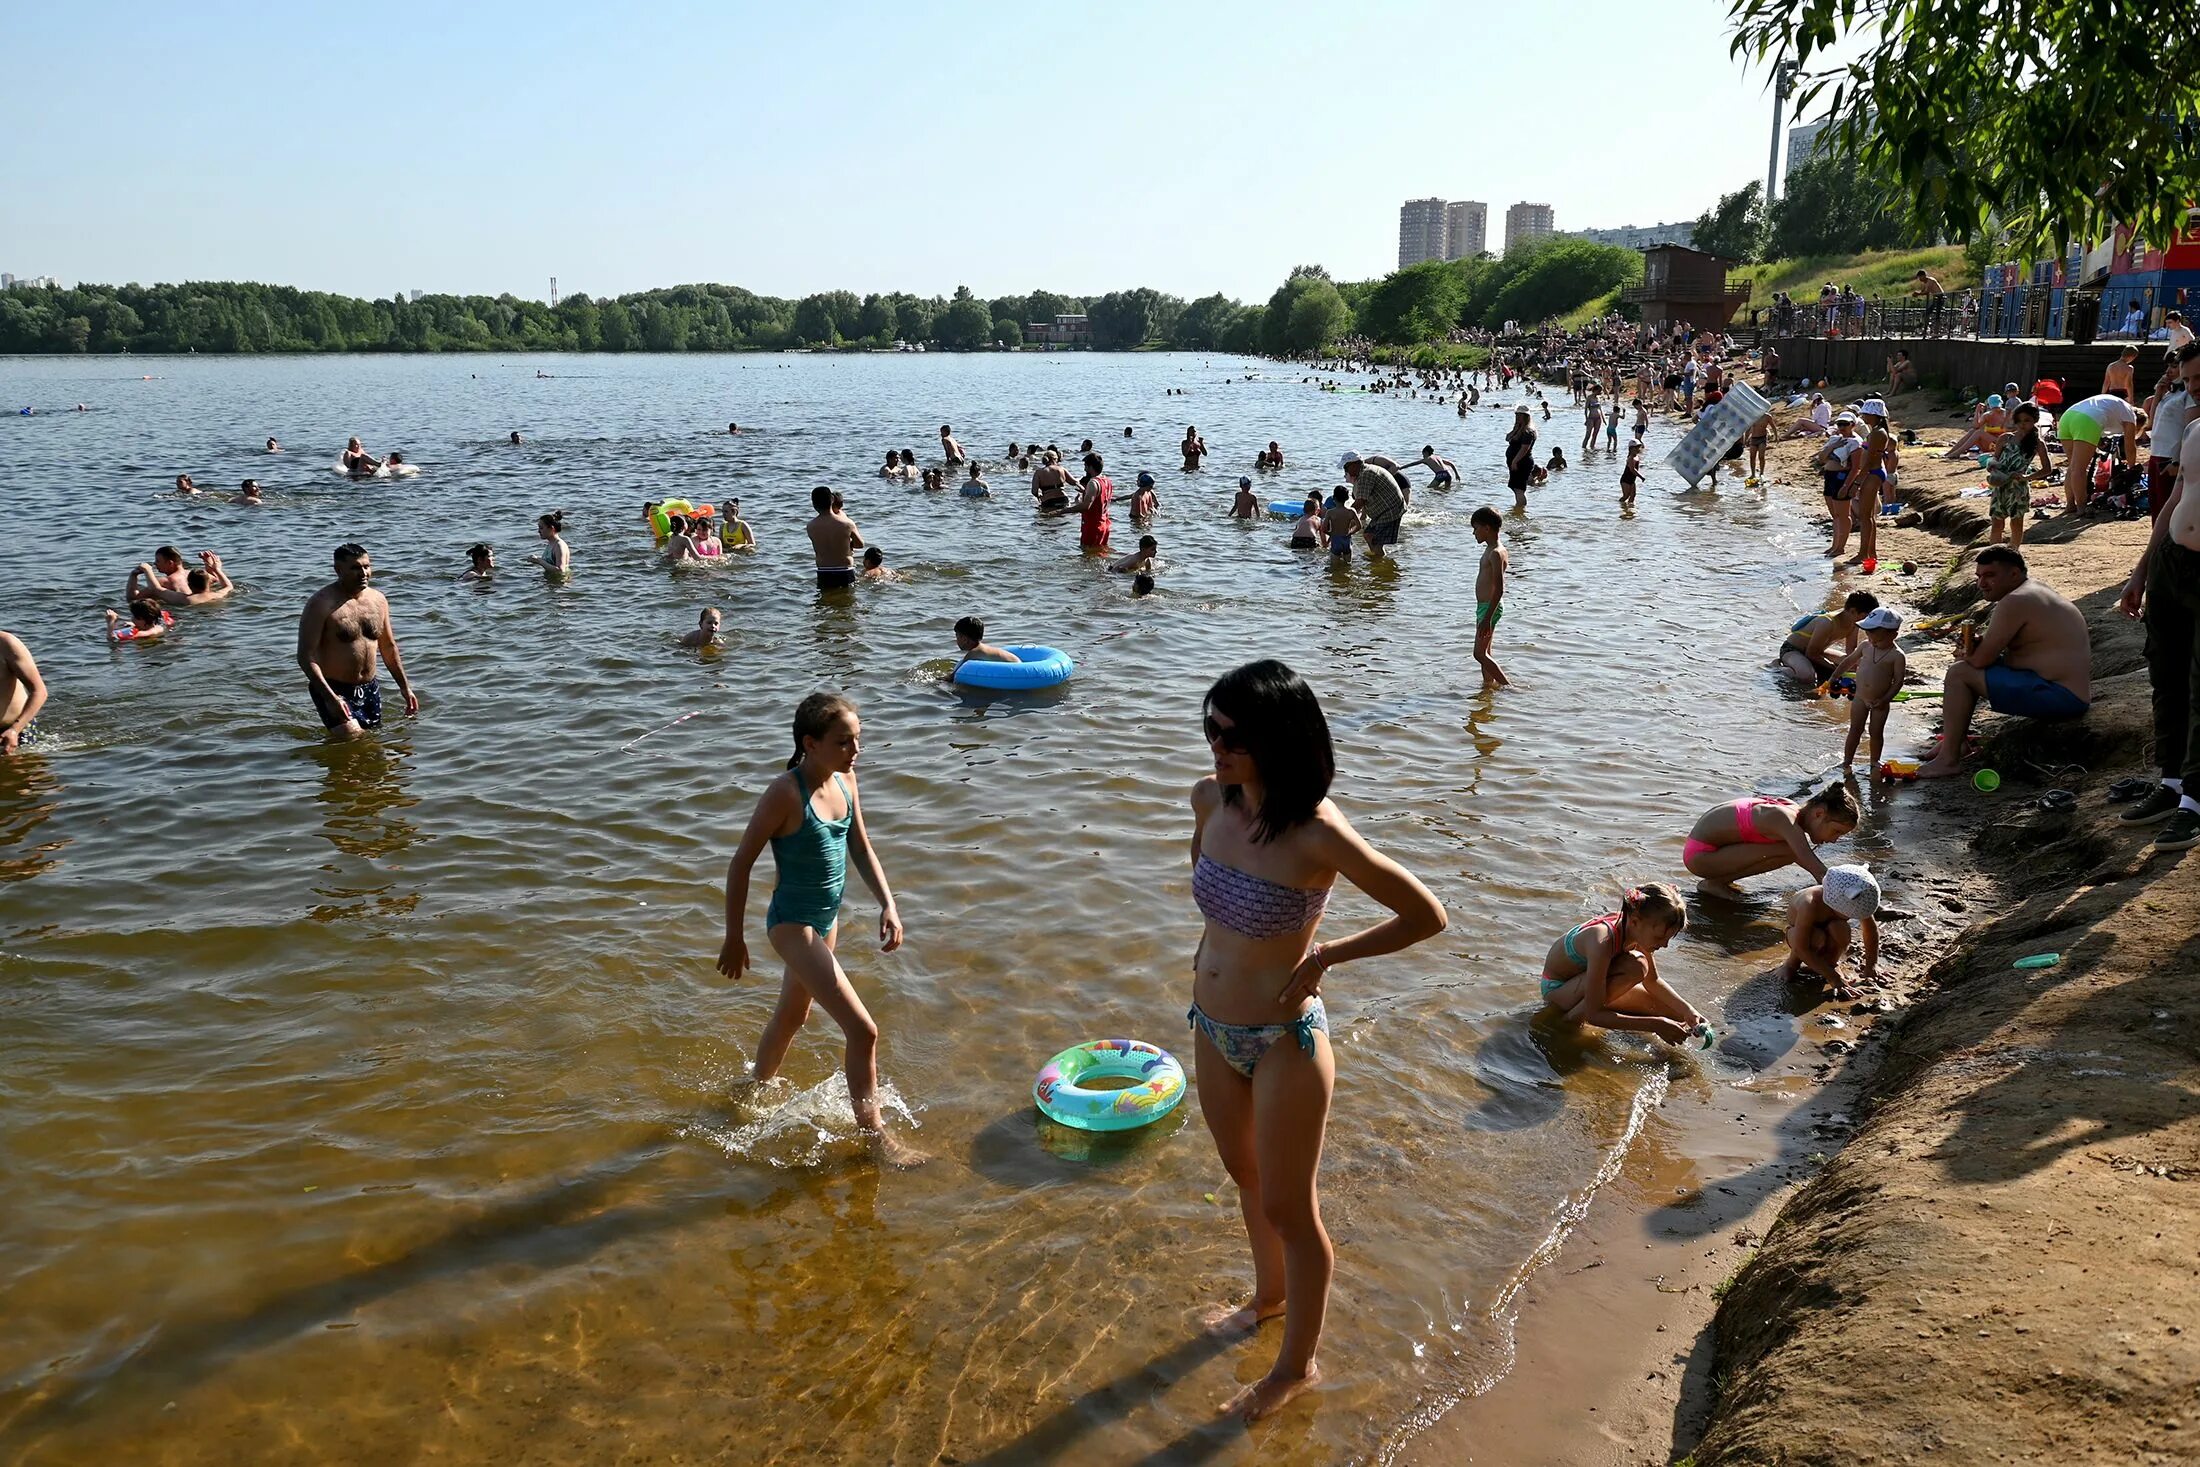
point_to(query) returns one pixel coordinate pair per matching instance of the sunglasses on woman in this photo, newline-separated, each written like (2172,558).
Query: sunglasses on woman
(1231,737)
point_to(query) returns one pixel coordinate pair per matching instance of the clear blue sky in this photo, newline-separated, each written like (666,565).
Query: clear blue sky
(812,146)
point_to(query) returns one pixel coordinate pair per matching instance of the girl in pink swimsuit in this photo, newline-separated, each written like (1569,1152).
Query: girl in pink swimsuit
(1605,971)
(1755,834)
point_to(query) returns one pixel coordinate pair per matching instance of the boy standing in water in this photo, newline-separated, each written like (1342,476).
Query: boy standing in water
(1341,523)
(1489,594)
(1879,668)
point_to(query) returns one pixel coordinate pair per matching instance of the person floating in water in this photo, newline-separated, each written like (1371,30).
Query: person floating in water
(706,630)
(970,641)
(149,622)
(812,817)
(357,462)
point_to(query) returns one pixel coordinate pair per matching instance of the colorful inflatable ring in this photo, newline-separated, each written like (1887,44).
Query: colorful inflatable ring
(1061,1097)
(1034,667)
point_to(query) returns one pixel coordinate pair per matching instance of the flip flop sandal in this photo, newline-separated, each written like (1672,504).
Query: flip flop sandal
(2058,801)
(2136,787)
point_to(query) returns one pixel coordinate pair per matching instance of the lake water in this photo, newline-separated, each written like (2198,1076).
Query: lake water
(370,1103)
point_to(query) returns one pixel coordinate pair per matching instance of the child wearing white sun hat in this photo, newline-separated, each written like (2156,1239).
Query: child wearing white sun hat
(1818,928)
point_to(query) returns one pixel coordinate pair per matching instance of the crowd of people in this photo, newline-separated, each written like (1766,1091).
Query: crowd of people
(1268,844)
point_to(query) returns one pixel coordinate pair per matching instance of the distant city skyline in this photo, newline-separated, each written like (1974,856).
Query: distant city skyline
(532,141)
(1526,222)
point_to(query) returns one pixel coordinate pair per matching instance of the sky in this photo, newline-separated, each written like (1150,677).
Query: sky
(798,147)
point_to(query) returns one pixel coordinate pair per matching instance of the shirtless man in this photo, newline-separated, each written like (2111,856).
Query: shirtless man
(201,587)
(22,694)
(949,448)
(357,461)
(2034,658)
(2117,378)
(835,538)
(1194,448)
(344,624)
(163,578)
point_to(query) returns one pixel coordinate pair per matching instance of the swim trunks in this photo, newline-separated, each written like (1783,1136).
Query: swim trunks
(2021,691)
(1305,542)
(1340,546)
(359,703)
(835,576)
(1488,615)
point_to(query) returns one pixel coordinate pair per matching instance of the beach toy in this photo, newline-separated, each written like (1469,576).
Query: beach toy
(1034,667)
(2037,961)
(1838,687)
(1704,1034)
(1900,769)
(1063,1092)
(1871,565)
(1290,509)
(1894,508)
(1986,781)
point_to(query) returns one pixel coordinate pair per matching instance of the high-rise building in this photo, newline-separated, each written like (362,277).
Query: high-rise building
(1802,144)
(7,281)
(1525,222)
(1420,231)
(1466,229)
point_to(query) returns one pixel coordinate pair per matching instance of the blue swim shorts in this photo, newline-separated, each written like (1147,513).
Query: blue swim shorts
(2028,695)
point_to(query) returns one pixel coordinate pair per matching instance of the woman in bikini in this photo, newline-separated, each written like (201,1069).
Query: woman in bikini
(1754,835)
(1605,971)
(1267,845)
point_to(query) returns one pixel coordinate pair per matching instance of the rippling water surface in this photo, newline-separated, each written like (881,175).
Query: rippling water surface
(371,1102)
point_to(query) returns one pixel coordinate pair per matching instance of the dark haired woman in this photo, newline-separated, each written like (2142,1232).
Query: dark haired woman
(557,556)
(814,821)
(1267,845)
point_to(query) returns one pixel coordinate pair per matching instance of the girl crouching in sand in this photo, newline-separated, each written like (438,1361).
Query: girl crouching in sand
(1267,846)
(814,820)
(1604,972)
(1753,835)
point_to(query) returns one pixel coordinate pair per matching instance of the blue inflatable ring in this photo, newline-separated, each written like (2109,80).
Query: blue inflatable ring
(1034,667)
(1290,509)
(1061,1097)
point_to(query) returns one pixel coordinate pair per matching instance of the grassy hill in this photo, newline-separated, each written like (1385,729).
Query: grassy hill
(1876,272)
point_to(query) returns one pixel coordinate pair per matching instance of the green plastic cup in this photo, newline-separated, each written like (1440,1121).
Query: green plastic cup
(1986,781)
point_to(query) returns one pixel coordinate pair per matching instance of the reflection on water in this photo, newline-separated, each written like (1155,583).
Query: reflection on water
(346,1078)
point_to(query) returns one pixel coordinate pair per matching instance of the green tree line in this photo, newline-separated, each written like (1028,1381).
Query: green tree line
(229,316)
(1547,278)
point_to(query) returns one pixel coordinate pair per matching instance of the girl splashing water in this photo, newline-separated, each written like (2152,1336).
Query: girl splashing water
(813,819)
(1267,845)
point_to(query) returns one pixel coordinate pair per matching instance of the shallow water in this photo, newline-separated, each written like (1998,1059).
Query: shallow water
(371,1102)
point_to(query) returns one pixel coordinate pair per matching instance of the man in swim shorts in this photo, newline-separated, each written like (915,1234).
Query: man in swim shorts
(22,694)
(344,625)
(2035,658)
(835,539)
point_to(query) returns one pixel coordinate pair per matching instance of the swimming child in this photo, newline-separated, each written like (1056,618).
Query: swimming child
(249,493)
(273,446)
(1604,971)
(1878,667)
(1803,652)
(149,622)
(1630,476)
(483,562)
(1757,834)
(706,630)
(1818,928)
(1246,505)
(1142,584)
(970,638)
(1557,465)
(1341,523)
(679,544)
(1306,530)
(1139,561)
(1489,593)
(813,817)
(1443,473)
(975,487)
(557,556)
(1143,500)
(874,565)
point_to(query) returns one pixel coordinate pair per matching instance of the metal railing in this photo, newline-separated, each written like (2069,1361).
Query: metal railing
(2049,313)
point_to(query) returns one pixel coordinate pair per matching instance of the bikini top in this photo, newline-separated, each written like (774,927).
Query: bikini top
(1254,906)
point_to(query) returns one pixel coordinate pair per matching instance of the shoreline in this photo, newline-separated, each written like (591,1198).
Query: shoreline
(1661,1329)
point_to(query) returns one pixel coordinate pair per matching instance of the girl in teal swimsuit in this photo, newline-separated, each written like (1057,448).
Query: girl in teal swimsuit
(1267,845)
(813,819)
(1603,971)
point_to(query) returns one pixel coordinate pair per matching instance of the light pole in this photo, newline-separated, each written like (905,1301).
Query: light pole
(1783,85)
